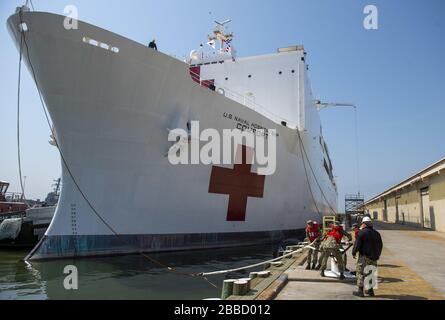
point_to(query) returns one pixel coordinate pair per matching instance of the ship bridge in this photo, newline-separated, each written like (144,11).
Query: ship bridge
(275,85)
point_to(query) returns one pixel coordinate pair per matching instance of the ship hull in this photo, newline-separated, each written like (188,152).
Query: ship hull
(111,112)
(69,246)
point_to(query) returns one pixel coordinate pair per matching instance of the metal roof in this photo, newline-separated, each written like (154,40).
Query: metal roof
(421,175)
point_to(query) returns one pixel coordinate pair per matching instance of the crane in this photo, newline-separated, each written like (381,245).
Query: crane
(323,105)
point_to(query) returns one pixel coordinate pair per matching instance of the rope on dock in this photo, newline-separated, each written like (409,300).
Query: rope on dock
(299,250)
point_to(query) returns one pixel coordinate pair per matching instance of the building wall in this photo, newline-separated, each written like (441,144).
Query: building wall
(405,205)
(437,202)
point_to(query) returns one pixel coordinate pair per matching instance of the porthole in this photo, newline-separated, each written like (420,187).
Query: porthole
(227,78)
(293,71)
(281,72)
(250,76)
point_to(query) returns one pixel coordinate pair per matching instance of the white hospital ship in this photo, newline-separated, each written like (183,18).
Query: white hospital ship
(112,102)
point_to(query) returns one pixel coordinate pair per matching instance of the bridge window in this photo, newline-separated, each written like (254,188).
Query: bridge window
(99,44)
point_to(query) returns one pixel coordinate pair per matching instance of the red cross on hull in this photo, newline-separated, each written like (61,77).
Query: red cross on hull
(239,183)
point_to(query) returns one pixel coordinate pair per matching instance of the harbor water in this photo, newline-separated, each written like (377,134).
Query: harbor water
(125,277)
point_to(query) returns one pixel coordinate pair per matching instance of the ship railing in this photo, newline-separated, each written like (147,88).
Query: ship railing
(180,58)
(11,215)
(13,196)
(250,102)
(245,100)
(208,58)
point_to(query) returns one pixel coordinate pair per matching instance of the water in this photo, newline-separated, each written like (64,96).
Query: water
(125,277)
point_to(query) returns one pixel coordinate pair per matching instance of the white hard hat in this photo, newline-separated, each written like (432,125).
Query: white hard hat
(366,219)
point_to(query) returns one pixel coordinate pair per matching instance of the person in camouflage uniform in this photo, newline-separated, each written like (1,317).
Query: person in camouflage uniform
(356,229)
(362,262)
(369,246)
(349,236)
(322,252)
(331,246)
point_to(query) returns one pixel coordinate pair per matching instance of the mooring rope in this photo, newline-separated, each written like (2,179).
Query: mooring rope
(315,177)
(308,181)
(19,157)
(299,250)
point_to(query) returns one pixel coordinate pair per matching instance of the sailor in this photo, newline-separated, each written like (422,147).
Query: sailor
(347,235)
(331,246)
(313,236)
(323,235)
(369,246)
(356,229)
(153,45)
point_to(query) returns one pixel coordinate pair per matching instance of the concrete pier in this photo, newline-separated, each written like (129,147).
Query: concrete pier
(411,268)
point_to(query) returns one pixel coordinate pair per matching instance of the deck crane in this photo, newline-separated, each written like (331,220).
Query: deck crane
(323,105)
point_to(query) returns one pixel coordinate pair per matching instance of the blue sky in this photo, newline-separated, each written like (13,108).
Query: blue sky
(394,74)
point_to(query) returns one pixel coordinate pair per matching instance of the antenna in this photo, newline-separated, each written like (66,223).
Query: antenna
(220,34)
(222,24)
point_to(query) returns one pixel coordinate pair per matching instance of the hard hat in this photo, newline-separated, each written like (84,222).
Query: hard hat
(366,219)
(309,222)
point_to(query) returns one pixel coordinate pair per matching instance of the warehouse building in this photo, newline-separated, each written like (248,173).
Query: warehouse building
(418,201)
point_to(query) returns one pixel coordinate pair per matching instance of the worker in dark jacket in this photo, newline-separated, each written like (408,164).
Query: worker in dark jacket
(369,246)
(153,45)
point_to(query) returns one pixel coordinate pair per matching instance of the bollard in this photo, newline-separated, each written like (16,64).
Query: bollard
(253,275)
(263,274)
(227,289)
(277,263)
(248,280)
(239,287)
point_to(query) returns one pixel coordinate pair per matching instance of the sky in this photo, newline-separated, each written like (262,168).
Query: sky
(395,76)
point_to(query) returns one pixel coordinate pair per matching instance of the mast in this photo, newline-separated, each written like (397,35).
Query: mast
(221,43)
